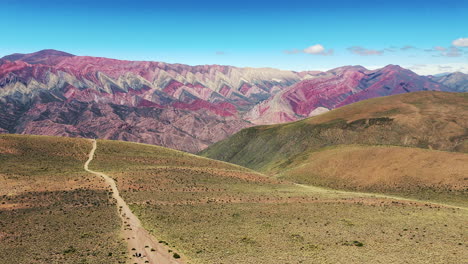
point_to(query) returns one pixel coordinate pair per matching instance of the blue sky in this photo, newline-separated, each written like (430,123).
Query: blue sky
(294,34)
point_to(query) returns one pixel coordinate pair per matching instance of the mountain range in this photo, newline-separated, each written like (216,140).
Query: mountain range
(179,106)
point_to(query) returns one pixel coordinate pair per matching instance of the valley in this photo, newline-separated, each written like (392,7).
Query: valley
(233,132)
(208,211)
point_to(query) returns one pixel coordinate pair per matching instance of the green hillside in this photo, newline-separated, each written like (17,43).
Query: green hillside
(430,120)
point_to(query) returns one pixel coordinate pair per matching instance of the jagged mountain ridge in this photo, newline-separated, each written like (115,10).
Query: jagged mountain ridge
(457,81)
(336,88)
(174,105)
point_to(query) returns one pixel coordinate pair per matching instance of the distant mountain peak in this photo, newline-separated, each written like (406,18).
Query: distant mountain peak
(53,52)
(46,56)
(457,74)
(393,67)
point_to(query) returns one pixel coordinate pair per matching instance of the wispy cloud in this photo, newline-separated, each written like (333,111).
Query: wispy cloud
(445,68)
(316,49)
(220,53)
(446,52)
(439,48)
(361,51)
(407,47)
(461,42)
(417,67)
(294,51)
(452,52)
(431,69)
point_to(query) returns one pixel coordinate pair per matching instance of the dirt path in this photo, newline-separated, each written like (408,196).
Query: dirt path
(376,195)
(139,240)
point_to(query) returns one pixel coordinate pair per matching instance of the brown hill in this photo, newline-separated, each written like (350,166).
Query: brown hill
(430,120)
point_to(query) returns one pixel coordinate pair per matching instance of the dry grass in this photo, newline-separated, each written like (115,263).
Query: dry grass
(220,213)
(436,120)
(51,211)
(420,173)
(303,232)
(209,211)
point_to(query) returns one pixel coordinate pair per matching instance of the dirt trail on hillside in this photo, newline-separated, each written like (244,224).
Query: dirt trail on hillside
(139,240)
(382,196)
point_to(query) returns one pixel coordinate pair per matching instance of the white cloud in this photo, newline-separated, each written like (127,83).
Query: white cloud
(316,49)
(461,42)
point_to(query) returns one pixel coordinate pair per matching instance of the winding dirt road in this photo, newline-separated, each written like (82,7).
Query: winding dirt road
(142,246)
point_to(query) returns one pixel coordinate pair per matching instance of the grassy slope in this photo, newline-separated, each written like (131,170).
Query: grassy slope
(51,211)
(322,150)
(433,120)
(215,212)
(418,173)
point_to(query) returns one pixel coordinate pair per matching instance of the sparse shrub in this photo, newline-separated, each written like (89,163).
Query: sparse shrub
(358,244)
(69,250)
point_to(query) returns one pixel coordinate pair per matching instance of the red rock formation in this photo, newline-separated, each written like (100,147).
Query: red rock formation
(174,105)
(336,88)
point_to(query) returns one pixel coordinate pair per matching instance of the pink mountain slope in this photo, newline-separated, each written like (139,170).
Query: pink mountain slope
(179,106)
(336,88)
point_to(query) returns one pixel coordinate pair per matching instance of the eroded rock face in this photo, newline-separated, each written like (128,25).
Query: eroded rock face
(174,128)
(174,105)
(338,87)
